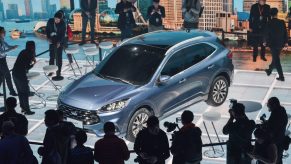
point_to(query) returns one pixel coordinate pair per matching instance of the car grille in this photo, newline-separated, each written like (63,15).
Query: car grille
(88,117)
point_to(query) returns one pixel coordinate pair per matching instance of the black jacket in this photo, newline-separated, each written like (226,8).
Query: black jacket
(276,33)
(240,135)
(58,29)
(19,120)
(86,8)
(81,155)
(23,63)
(153,145)
(156,19)
(277,124)
(187,145)
(125,19)
(256,24)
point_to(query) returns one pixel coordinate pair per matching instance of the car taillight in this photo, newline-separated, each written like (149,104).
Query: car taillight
(229,55)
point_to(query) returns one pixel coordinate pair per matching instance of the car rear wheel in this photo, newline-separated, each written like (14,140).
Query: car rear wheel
(218,91)
(137,123)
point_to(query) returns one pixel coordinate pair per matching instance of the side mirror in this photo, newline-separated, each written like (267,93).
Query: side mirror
(163,79)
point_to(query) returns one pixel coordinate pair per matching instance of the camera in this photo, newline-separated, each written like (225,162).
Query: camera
(172,126)
(263,123)
(233,102)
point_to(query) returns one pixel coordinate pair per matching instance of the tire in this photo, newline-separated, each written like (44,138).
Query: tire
(218,91)
(139,117)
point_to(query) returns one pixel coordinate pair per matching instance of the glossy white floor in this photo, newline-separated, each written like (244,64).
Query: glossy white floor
(247,86)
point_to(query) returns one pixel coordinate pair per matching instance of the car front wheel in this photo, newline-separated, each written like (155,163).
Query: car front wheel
(218,91)
(137,123)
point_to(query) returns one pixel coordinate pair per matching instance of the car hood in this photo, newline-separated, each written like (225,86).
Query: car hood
(91,92)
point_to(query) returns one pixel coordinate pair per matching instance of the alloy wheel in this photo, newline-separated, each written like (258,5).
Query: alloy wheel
(139,123)
(219,91)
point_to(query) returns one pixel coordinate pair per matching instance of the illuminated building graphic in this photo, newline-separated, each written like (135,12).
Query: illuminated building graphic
(208,19)
(28,8)
(173,11)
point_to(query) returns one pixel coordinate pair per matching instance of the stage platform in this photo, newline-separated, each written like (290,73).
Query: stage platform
(249,85)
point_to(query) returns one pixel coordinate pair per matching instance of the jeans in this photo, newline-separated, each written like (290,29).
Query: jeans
(56,54)
(276,61)
(126,33)
(22,87)
(4,72)
(85,20)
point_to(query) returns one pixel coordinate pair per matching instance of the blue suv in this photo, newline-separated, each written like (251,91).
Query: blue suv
(156,73)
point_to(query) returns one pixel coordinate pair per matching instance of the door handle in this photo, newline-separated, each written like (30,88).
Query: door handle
(182,81)
(211,66)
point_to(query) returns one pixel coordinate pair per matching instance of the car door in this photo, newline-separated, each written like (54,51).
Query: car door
(170,95)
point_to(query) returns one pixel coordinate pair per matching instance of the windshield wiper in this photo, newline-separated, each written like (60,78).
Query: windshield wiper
(119,79)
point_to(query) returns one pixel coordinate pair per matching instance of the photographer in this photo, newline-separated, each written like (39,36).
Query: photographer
(276,125)
(152,144)
(191,12)
(240,129)
(187,144)
(56,29)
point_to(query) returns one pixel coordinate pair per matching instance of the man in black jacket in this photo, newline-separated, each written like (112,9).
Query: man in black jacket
(88,8)
(56,29)
(24,62)
(155,14)
(151,144)
(240,129)
(276,125)
(187,143)
(126,20)
(19,120)
(276,37)
(259,17)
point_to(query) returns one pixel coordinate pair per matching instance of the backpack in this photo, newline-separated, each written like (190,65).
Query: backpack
(69,33)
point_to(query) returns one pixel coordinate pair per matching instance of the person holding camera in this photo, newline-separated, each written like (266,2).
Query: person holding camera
(187,144)
(240,129)
(276,125)
(191,13)
(126,20)
(277,38)
(151,144)
(56,29)
(156,13)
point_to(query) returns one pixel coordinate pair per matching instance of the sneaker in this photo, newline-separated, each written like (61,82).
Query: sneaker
(50,74)
(58,78)
(1,94)
(29,112)
(280,78)
(268,72)
(13,93)
(264,58)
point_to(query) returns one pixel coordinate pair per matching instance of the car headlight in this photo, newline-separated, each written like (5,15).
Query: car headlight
(118,105)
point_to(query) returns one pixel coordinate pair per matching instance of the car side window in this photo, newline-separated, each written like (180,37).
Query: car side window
(186,58)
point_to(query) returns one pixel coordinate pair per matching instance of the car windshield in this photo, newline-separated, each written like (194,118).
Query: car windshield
(133,64)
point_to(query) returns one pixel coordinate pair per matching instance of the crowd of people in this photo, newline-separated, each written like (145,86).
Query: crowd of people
(63,143)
